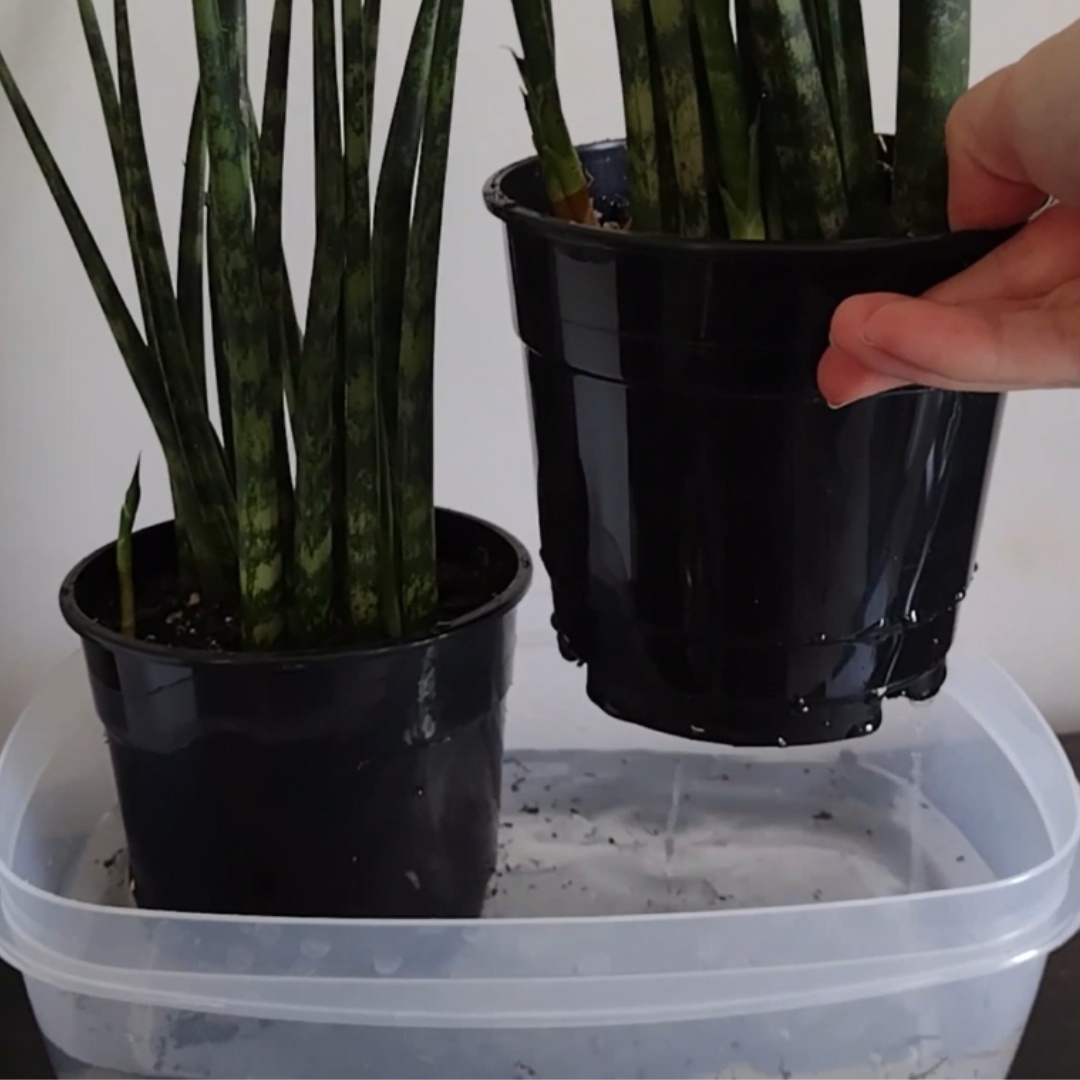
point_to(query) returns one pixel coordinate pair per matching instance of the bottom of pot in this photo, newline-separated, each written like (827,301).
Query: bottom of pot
(314,829)
(638,693)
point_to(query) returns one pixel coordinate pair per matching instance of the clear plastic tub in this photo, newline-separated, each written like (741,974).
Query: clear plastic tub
(877,908)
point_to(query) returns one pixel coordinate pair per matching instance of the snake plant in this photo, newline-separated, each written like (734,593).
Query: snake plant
(339,541)
(754,120)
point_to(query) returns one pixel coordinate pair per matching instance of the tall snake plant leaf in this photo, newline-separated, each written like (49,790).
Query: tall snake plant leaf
(393,208)
(367,547)
(640,105)
(282,330)
(316,421)
(800,123)
(739,159)
(262,571)
(124,562)
(415,427)
(372,20)
(935,49)
(140,361)
(671,25)
(190,255)
(198,440)
(572,200)
(192,532)
(845,72)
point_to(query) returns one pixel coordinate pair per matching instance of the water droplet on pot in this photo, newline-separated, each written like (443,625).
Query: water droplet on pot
(802,706)
(419,792)
(961,596)
(387,965)
(868,728)
(821,639)
(781,742)
(697,730)
(913,617)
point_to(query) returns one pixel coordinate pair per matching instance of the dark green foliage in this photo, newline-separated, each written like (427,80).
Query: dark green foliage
(366,544)
(314,419)
(288,551)
(935,48)
(770,121)
(124,566)
(566,182)
(414,459)
(640,105)
(736,133)
(678,92)
(393,207)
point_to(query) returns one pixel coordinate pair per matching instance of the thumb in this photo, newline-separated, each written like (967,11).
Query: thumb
(988,347)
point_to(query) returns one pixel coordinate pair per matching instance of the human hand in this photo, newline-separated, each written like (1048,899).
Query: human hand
(1012,321)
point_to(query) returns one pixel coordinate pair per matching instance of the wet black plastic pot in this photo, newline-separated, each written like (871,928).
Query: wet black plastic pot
(733,560)
(347,783)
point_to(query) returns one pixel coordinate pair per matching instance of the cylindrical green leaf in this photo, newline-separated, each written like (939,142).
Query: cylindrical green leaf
(393,207)
(141,362)
(800,125)
(642,162)
(197,437)
(550,133)
(419,592)
(282,331)
(363,512)
(372,16)
(739,171)
(313,585)
(124,566)
(671,24)
(262,573)
(935,59)
(189,259)
(847,83)
(200,554)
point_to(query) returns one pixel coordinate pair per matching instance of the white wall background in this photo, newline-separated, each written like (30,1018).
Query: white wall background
(71,425)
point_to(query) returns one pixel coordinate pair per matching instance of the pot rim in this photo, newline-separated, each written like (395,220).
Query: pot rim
(90,629)
(617,241)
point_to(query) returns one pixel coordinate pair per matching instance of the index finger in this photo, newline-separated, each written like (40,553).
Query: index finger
(989,188)
(1014,139)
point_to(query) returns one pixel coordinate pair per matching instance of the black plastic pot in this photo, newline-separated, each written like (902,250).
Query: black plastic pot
(337,784)
(733,560)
